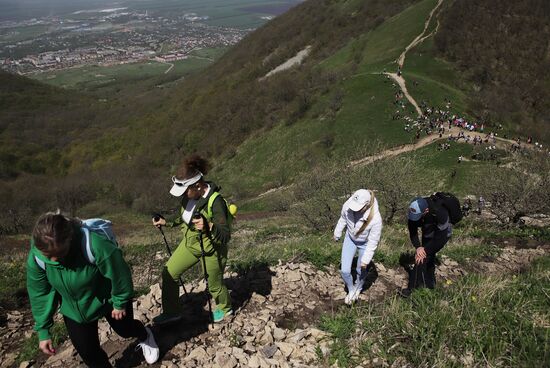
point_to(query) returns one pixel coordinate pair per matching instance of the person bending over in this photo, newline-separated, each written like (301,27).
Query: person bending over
(59,275)
(434,221)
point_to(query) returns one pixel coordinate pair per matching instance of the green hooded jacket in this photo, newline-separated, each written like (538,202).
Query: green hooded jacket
(84,292)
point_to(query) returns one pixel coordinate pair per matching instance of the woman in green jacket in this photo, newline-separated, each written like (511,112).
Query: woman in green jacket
(60,275)
(198,197)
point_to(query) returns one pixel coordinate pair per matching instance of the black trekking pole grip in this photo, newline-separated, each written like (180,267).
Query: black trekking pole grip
(156,218)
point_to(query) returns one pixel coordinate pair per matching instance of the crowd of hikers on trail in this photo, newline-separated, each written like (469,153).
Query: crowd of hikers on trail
(435,120)
(76,268)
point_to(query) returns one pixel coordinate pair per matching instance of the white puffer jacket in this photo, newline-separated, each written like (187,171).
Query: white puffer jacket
(352,221)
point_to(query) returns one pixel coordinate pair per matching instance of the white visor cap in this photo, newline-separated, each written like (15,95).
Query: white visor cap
(180,186)
(359,199)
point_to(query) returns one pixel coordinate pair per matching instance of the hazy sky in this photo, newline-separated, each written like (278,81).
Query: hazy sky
(22,9)
(26,9)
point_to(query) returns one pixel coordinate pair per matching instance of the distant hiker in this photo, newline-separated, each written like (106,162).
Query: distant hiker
(212,227)
(361,220)
(60,275)
(480,204)
(434,215)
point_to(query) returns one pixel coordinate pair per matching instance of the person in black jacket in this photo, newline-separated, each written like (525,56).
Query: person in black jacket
(434,221)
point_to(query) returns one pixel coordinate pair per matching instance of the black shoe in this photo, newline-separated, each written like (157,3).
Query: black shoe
(405,293)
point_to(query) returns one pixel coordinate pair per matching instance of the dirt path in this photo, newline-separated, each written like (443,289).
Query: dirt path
(170,68)
(419,38)
(394,151)
(402,84)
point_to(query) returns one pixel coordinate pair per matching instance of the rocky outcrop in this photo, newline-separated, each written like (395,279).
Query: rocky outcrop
(276,308)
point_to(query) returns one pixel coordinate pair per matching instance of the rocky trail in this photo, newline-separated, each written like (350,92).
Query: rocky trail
(277,309)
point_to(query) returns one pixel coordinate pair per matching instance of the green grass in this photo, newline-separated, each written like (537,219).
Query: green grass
(365,115)
(97,77)
(29,350)
(447,173)
(341,327)
(18,34)
(464,252)
(12,280)
(479,320)
(527,232)
(210,53)
(382,46)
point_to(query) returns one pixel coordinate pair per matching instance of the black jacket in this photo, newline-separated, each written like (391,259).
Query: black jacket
(436,228)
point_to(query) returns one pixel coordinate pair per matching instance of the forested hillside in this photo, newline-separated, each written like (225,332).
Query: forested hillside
(503,48)
(69,148)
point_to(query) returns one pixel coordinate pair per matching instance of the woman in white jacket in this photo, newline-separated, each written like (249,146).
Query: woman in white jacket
(363,224)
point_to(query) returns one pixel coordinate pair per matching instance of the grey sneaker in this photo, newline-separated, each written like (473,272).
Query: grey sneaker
(149,347)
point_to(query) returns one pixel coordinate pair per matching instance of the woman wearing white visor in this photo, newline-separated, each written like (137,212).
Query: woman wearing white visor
(213,226)
(363,224)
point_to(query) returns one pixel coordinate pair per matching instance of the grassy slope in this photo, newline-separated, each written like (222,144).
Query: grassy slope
(479,321)
(365,114)
(109,79)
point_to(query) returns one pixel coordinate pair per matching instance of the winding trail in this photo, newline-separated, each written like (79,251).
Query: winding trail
(402,84)
(420,37)
(400,80)
(170,68)
(395,151)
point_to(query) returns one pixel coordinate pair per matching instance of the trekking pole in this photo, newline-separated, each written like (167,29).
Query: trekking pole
(203,255)
(156,218)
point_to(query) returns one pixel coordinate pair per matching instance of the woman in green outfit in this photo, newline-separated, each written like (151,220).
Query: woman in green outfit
(213,226)
(61,274)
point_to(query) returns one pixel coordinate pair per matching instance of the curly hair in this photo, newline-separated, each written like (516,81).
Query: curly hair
(54,232)
(191,166)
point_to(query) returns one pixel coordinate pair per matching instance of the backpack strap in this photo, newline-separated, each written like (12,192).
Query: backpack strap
(211,200)
(86,246)
(40,263)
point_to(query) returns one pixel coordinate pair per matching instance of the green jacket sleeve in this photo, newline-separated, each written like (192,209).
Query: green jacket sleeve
(44,299)
(112,266)
(177,220)
(221,232)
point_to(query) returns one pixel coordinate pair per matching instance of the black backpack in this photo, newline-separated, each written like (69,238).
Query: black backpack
(450,203)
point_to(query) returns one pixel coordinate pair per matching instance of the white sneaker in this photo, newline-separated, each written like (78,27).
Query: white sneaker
(355,296)
(347,299)
(149,347)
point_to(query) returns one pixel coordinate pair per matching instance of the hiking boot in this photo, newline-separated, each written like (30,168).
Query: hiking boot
(218,315)
(166,318)
(149,347)
(405,293)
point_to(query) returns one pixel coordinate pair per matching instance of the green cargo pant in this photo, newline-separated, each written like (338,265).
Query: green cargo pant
(187,254)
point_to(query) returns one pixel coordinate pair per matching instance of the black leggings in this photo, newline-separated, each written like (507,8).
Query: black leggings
(85,338)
